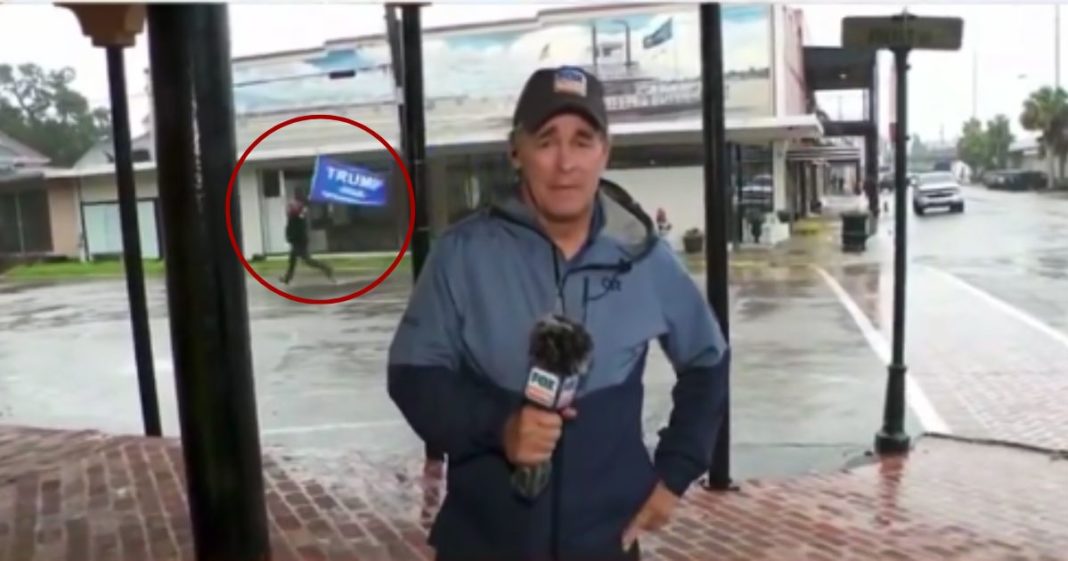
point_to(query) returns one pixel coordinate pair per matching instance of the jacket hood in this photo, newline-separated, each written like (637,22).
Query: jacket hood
(617,217)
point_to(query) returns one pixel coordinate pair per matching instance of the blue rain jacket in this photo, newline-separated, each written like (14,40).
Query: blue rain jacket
(458,365)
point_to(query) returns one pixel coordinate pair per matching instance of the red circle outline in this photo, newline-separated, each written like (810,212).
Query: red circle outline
(411,209)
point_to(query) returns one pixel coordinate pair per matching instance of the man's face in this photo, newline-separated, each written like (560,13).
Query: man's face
(562,163)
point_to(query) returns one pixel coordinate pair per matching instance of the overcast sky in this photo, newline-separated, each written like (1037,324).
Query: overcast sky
(1012,47)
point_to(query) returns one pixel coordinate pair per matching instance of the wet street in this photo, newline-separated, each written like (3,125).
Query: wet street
(810,344)
(987,337)
(1012,245)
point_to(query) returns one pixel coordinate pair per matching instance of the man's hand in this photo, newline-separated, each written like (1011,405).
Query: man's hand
(654,514)
(530,434)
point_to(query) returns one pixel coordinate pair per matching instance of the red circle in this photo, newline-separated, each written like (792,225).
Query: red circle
(411,210)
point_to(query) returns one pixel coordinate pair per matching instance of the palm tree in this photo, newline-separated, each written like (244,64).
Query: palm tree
(1046,112)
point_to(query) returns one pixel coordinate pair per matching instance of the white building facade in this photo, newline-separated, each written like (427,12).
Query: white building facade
(647,56)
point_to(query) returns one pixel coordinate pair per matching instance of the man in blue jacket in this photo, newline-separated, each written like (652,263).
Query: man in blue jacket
(572,243)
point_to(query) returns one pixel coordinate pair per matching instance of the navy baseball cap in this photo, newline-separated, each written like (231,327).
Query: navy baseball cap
(567,89)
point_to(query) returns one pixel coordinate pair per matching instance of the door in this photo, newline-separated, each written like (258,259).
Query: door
(272,213)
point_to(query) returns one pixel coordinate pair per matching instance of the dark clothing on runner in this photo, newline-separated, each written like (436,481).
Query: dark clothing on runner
(297,236)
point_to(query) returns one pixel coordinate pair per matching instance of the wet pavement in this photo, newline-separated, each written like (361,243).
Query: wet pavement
(1012,245)
(804,399)
(987,343)
(68,496)
(811,327)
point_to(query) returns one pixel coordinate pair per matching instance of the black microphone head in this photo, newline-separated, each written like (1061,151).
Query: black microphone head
(561,346)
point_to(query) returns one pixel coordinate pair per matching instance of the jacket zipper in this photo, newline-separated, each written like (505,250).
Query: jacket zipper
(561,305)
(557,458)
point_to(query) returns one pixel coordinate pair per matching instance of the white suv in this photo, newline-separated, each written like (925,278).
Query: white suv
(937,190)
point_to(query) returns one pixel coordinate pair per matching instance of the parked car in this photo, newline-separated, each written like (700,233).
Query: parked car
(1015,180)
(938,189)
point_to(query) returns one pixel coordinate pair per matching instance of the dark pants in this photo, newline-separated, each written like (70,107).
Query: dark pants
(301,251)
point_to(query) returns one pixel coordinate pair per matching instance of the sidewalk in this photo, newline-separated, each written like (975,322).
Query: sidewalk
(81,496)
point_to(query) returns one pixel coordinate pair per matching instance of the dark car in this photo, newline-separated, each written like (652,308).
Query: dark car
(1015,180)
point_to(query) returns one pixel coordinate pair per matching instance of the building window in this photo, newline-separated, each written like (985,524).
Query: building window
(25,224)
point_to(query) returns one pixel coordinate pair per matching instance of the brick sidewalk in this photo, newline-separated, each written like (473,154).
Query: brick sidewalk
(988,373)
(90,497)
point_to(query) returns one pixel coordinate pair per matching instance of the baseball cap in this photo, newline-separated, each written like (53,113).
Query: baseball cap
(551,91)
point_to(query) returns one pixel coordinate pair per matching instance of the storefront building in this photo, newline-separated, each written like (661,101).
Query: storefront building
(647,56)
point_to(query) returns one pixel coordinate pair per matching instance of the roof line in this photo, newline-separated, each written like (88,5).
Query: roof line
(446,29)
(26,151)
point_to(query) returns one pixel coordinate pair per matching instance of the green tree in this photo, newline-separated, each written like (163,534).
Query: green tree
(41,110)
(973,147)
(999,139)
(1046,112)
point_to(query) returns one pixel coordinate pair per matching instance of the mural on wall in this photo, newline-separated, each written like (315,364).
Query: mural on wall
(649,61)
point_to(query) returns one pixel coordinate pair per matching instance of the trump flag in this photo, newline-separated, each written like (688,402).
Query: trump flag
(335,181)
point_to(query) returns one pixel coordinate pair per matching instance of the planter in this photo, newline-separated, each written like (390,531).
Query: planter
(855,231)
(693,244)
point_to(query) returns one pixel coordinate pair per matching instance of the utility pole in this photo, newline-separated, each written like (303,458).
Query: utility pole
(1057,46)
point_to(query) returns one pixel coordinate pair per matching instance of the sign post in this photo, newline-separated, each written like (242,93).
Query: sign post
(717,213)
(900,34)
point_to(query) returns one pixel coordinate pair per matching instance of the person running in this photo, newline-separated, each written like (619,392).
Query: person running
(297,237)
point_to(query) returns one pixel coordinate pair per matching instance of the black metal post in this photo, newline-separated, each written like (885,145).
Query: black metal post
(871,145)
(131,242)
(739,182)
(413,140)
(717,208)
(189,50)
(415,129)
(594,48)
(892,438)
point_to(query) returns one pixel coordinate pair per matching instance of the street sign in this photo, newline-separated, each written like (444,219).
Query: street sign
(903,31)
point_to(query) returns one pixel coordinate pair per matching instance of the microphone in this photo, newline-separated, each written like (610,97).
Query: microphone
(560,354)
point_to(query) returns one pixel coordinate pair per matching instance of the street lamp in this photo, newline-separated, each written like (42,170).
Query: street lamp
(626,26)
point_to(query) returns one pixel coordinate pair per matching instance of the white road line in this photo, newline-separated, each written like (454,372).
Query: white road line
(1009,309)
(917,399)
(330,427)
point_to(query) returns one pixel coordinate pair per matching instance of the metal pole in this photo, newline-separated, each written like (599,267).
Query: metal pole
(593,48)
(18,223)
(717,205)
(1057,45)
(870,181)
(189,48)
(131,241)
(892,438)
(415,129)
(413,140)
(739,182)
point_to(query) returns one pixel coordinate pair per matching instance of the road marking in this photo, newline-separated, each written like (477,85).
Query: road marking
(914,394)
(1004,306)
(330,427)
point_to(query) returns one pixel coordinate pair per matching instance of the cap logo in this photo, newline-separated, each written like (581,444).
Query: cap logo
(570,81)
